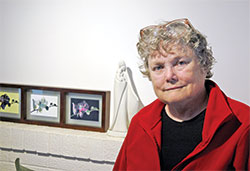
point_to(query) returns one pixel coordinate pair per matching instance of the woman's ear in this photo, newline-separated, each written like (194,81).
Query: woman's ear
(205,72)
(149,78)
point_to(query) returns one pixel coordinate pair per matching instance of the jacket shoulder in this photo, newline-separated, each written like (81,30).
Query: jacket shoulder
(149,114)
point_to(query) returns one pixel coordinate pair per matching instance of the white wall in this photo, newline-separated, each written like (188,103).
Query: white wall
(78,43)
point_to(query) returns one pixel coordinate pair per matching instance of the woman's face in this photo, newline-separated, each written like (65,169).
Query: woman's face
(176,75)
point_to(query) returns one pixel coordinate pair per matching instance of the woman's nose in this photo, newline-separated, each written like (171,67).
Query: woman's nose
(170,75)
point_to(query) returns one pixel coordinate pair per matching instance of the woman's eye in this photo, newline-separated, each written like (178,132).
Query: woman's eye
(157,68)
(182,62)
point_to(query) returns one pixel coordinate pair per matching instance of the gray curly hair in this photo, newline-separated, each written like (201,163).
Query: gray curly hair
(176,32)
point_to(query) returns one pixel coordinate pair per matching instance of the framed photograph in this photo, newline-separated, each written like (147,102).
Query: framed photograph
(58,107)
(43,105)
(10,102)
(87,110)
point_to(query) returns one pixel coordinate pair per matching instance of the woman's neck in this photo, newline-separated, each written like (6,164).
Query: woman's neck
(189,109)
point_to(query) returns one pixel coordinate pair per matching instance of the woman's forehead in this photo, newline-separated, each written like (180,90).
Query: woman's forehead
(171,50)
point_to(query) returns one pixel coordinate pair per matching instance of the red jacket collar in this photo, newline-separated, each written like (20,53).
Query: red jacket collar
(217,112)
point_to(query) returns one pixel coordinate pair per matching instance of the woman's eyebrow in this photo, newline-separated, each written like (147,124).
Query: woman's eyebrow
(157,62)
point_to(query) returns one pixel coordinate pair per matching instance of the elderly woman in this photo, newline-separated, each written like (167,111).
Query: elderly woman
(192,125)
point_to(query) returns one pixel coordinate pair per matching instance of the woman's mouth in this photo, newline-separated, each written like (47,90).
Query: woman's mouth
(173,88)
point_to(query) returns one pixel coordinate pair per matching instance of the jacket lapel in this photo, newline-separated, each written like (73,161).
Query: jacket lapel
(151,122)
(218,112)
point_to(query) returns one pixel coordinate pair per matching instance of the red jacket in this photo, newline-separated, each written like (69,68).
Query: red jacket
(224,145)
